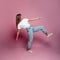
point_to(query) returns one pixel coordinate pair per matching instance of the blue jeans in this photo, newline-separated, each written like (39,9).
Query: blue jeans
(30,33)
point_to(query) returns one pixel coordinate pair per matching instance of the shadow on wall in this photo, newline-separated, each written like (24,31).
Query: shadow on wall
(59,42)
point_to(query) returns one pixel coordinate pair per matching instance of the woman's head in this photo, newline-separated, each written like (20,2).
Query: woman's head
(18,19)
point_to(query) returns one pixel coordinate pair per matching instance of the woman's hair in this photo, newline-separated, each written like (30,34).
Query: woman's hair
(18,19)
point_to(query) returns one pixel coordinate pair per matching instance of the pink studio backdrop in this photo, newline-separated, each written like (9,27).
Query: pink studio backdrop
(48,9)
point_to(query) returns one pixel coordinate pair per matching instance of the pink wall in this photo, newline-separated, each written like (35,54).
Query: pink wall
(48,9)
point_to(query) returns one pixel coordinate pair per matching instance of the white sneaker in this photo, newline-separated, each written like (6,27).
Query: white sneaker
(30,51)
(49,35)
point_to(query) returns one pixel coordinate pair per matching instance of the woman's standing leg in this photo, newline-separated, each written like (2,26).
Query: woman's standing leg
(30,34)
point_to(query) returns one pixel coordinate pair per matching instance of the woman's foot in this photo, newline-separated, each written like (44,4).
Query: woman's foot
(30,51)
(49,35)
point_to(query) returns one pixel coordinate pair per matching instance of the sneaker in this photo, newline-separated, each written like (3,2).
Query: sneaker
(49,35)
(30,51)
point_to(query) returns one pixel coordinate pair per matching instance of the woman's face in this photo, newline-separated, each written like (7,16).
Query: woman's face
(21,17)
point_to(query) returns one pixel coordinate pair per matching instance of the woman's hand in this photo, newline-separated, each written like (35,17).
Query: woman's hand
(16,39)
(18,31)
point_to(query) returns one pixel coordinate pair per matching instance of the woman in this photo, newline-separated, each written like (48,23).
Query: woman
(24,23)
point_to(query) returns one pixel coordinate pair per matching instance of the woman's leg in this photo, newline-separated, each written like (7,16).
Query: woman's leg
(38,28)
(30,34)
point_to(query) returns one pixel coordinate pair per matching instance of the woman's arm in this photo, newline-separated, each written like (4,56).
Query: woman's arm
(18,31)
(34,19)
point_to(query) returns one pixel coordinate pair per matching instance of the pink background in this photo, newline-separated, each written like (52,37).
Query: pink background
(12,50)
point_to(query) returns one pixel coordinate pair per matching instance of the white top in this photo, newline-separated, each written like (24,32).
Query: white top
(24,24)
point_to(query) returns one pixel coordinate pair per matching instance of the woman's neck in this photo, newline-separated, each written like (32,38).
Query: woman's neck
(22,18)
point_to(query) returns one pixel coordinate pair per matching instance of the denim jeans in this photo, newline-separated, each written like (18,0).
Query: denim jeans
(30,33)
